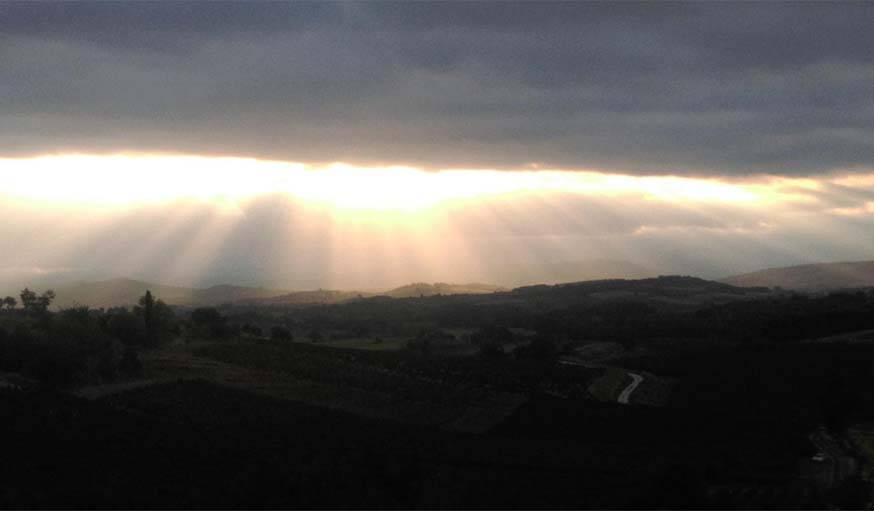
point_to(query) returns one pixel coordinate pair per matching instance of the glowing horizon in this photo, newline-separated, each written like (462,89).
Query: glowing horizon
(129,180)
(189,219)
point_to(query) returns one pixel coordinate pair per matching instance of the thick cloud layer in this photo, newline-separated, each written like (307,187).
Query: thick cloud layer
(699,88)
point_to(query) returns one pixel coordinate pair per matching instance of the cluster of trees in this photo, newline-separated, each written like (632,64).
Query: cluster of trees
(280,333)
(30,301)
(491,340)
(210,323)
(251,330)
(79,345)
(630,321)
(428,340)
(571,312)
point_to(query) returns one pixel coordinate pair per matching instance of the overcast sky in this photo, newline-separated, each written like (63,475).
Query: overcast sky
(695,88)
(773,98)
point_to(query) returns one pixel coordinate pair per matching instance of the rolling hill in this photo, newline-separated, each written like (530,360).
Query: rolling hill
(319,296)
(676,290)
(556,272)
(415,290)
(810,277)
(419,289)
(125,292)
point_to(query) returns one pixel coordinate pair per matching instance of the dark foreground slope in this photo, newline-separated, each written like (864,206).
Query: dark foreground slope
(199,445)
(196,445)
(753,375)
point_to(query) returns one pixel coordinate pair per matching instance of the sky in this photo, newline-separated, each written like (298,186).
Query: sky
(369,144)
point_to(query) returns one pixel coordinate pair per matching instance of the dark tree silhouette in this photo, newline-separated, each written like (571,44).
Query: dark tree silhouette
(253,330)
(280,333)
(10,302)
(208,321)
(490,340)
(36,304)
(28,298)
(147,302)
(154,319)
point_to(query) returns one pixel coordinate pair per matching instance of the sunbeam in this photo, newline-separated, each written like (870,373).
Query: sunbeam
(192,219)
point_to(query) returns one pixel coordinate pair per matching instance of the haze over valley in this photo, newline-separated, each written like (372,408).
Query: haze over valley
(436,255)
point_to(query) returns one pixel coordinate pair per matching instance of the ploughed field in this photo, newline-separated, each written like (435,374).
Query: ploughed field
(598,404)
(198,444)
(711,451)
(251,424)
(459,394)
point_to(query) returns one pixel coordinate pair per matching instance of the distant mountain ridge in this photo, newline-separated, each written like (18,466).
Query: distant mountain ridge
(441,288)
(810,277)
(125,292)
(319,296)
(675,289)
(556,272)
(415,290)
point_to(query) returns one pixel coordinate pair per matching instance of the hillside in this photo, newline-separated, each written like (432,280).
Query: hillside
(419,289)
(673,289)
(126,292)
(118,292)
(810,277)
(319,296)
(568,271)
(415,290)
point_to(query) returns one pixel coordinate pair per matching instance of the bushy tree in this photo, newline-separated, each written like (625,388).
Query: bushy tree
(124,326)
(147,302)
(542,347)
(157,319)
(491,340)
(28,298)
(36,304)
(71,347)
(280,333)
(209,322)
(9,302)
(429,339)
(130,362)
(253,330)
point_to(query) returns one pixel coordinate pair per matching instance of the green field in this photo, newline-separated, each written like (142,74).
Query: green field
(610,385)
(364,343)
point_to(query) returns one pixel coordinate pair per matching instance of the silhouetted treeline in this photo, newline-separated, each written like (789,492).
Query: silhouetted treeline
(79,345)
(576,314)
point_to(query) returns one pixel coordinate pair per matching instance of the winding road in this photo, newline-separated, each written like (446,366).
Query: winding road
(626,393)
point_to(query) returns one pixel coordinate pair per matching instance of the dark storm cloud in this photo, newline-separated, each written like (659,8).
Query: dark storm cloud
(644,88)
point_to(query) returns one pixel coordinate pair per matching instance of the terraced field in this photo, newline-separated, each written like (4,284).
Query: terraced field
(342,380)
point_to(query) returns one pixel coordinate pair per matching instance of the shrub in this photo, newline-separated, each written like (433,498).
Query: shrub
(280,333)
(209,322)
(253,330)
(130,364)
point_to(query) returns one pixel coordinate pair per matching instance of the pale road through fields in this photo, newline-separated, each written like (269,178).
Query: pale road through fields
(625,395)
(636,379)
